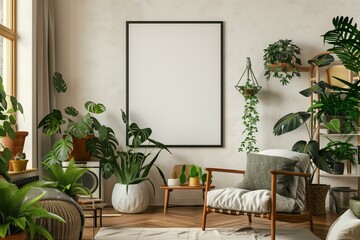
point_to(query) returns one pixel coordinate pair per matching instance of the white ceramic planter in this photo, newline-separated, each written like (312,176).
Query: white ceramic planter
(134,201)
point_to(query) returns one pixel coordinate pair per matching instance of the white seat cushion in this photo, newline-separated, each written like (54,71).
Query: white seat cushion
(257,201)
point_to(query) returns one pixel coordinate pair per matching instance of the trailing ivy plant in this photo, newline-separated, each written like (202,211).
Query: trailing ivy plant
(250,119)
(282,60)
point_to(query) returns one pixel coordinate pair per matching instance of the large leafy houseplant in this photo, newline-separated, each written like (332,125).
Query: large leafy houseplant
(292,121)
(65,122)
(282,61)
(129,166)
(18,214)
(8,111)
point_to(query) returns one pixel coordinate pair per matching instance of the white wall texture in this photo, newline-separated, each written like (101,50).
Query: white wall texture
(90,47)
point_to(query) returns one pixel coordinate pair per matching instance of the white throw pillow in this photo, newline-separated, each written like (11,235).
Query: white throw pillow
(346,227)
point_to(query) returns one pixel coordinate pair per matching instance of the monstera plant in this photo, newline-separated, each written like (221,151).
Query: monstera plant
(70,123)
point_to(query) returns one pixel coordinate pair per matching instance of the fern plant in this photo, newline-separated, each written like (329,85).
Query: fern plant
(19,214)
(66,180)
(345,41)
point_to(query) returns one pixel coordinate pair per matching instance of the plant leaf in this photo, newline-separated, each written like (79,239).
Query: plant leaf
(290,122)
(59,83)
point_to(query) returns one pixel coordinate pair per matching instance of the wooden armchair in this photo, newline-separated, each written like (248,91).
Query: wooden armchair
(263,202)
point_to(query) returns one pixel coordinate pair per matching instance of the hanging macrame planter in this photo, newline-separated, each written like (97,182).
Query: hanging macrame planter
(251,116)
(251,86)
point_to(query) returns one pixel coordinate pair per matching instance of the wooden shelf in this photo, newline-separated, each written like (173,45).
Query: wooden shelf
(340,176)
(13,173)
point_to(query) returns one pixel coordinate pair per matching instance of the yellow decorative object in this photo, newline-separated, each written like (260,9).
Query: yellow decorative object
(194,181)
(19,165)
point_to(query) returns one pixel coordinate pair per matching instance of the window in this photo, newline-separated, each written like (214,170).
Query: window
(7,44)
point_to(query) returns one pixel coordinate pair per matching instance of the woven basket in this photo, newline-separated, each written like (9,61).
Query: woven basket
(318,196)
(71,230)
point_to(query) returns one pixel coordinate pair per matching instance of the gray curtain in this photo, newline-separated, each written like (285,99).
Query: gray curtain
(45,67)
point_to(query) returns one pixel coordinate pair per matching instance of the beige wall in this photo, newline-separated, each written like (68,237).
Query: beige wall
(90,48)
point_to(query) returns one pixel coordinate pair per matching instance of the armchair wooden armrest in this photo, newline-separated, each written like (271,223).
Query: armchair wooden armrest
(224,170)
(299,174)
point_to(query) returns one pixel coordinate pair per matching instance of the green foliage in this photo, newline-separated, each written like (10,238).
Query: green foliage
(66,180)
(279,53)
(322,60)
(250,119)
(8,119)
(53,122)
(182,175)
(193,171)
(196,171)
(18,214)
(129,166)
(293,121)
(342,150)
(345,41)
(60,151)
(290,122)
(337,101)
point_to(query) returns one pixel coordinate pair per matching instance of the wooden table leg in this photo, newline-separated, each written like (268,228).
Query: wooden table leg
(166,200)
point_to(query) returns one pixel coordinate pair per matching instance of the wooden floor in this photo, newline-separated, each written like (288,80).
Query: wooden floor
(190,216)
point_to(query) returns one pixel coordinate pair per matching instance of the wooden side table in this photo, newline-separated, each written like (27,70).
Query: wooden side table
(169,189)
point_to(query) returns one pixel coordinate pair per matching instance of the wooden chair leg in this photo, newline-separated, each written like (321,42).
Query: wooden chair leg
(203,224)
(311,224)
(249,218)
(273,227)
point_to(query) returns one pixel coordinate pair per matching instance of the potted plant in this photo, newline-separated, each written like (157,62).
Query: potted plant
(282,60)
(20,162)
(250,119)
(66,179)
(337,103)
(11,140)
(78,131)
(18,215)
(129,166)
(251,116)
(341,150)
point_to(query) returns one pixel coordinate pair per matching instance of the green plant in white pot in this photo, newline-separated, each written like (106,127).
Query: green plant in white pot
(130,167)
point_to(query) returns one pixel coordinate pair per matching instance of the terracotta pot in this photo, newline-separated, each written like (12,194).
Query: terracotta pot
(79,152)
(16,146)
(18,236)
